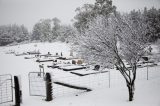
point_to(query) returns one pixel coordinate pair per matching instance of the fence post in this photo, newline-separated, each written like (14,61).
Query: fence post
(17,91)
(147,70)
(48,87)
(41,67)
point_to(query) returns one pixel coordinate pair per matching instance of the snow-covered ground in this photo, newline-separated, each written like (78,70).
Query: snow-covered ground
(147,91)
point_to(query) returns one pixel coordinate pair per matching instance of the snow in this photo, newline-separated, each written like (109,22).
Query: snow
(72,67)
(89,71)
(147,92)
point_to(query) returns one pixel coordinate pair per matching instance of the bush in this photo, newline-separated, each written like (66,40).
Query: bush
(73,62)
(79,62)
(5,40)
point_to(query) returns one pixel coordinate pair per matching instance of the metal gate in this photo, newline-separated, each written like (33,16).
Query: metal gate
(36,84)
(6,88)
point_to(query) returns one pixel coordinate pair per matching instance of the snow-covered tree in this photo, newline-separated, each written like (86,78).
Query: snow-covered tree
(116,40)
(84,14)
(55,28)
(13,33)
(152,18)
(46,30)
(36,32)
(25,34)
(89,11)
(42,30)
(66,33)
(49,30)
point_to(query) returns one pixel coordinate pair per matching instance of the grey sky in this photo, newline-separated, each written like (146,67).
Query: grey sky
(28,12)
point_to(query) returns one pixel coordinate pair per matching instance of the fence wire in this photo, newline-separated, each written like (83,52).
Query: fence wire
(110,79)
(92,82)
(37,85)
(66,84)
(150,73)
(6,91)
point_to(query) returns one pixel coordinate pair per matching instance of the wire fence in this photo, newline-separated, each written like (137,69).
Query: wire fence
(148,73)
(6,91)
(110,79)
(144,73)
(37,85)
(92,82)
(70,84)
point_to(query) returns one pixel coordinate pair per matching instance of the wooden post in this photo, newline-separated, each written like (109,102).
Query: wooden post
(41,68)
(18,92)
(48,87)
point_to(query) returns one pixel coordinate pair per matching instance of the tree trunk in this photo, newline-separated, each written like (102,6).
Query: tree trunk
(130,78)
(131,91)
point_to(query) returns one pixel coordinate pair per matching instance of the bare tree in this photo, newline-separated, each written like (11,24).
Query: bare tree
(116,40)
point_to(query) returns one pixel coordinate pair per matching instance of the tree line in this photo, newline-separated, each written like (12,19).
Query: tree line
(13,34)
(45,30)
(52,29)
(88,12)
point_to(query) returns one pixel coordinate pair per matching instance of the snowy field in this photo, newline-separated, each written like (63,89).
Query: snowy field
(104,92)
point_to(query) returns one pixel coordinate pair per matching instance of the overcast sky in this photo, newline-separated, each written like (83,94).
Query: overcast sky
(28,12)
